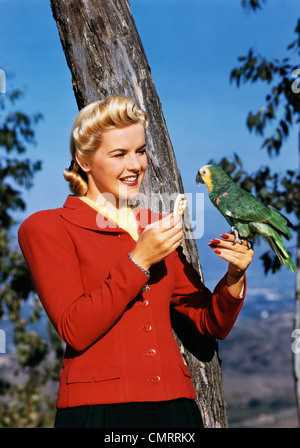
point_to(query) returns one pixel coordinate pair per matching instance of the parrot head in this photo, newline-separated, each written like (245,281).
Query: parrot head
(204,177)
(213,177)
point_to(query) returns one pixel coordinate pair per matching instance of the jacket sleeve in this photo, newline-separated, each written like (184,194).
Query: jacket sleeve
(80,319)
(214,314)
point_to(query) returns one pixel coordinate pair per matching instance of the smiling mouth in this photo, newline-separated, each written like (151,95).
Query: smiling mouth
(130,180)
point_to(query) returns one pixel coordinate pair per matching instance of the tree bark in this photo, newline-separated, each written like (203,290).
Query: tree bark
(106,57)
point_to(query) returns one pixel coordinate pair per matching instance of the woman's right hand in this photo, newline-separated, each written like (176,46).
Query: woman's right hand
(158,240)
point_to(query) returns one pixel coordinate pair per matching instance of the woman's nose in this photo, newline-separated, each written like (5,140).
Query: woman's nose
(133,163)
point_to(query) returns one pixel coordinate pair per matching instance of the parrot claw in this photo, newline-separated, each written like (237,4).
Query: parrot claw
(236,234)
(249,244)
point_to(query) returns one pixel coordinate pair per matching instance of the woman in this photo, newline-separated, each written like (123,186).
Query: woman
(106,279)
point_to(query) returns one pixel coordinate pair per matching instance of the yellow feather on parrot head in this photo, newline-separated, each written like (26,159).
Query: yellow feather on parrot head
(204,177)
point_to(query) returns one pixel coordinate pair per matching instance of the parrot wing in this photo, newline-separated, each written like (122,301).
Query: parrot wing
(240,205)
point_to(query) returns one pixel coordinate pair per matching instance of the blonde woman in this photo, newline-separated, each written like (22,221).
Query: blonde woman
(107,280)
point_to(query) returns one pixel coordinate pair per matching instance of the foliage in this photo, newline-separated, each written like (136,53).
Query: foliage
(282,191)
(21,401)
(252,4)
(279,74)
(16,130)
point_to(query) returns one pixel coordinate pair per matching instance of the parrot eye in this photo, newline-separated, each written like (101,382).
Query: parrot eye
(203,172)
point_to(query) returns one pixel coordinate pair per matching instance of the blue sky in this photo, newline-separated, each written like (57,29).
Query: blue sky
(191,46)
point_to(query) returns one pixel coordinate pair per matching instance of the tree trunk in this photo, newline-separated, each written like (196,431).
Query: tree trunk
(106,57)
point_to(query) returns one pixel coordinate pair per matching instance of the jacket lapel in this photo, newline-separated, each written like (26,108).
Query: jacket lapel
(80,214)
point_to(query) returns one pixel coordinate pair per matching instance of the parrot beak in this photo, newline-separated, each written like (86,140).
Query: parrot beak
(199,179)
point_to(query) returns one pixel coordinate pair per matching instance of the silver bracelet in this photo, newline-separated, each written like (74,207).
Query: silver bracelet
(144,270)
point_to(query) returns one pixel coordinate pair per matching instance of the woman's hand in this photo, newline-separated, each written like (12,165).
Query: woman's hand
(158,240)
(239,257)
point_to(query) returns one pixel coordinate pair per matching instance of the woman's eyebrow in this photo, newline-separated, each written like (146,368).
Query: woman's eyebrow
(126,150)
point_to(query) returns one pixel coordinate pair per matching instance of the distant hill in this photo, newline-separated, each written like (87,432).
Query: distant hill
(257,371)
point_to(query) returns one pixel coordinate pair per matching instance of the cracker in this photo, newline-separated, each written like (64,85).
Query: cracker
(180,204)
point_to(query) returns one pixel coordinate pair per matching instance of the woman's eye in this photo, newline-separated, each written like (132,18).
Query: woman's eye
(122,154)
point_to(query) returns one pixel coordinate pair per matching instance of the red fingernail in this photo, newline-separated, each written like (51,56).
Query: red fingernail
(216,251)
(215,241)
(223,235)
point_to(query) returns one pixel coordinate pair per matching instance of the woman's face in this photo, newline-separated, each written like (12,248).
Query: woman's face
(119,165)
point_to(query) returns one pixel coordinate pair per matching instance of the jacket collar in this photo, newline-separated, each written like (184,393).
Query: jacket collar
(79,213)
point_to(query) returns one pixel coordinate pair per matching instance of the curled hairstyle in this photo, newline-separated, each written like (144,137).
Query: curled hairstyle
(88,129)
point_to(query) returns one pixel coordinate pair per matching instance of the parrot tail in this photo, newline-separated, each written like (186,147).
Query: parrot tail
(275,241)
(277,245)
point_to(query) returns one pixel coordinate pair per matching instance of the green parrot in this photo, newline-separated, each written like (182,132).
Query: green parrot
(245,214)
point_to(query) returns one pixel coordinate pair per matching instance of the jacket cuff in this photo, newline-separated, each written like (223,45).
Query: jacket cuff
(138,276)
(223,285)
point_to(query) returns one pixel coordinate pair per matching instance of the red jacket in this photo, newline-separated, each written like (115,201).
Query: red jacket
(119,341)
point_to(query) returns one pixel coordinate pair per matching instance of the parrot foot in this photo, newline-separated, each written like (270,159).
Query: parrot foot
(236,234)
(249,244)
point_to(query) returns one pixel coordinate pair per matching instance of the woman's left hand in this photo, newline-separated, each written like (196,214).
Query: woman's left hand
(239,257)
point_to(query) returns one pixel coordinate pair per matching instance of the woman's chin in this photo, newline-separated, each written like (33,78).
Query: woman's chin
(129,197)
(130,193)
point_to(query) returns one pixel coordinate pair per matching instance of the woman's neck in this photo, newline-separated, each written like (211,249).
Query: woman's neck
(107,200)
(122,216)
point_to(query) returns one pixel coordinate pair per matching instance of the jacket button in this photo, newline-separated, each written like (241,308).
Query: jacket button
(146,328)
(150,352)
(144,302)
(154,379)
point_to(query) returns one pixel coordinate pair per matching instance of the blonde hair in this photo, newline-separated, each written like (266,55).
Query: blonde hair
(88,128)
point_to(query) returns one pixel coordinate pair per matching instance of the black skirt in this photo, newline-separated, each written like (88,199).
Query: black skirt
(180,413)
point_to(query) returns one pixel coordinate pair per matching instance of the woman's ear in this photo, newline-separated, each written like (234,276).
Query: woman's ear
(85,166)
